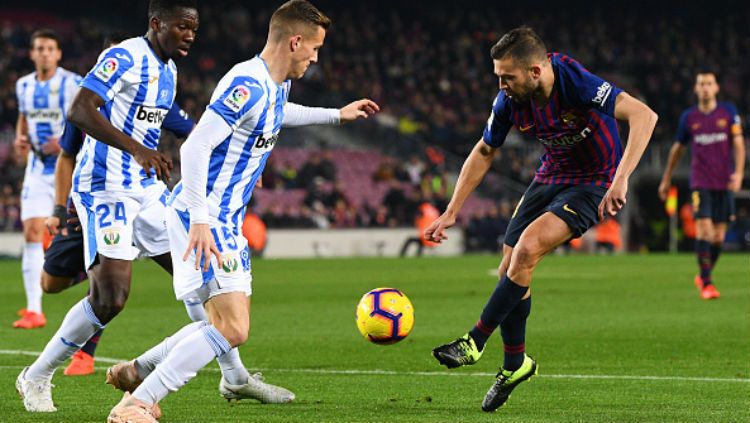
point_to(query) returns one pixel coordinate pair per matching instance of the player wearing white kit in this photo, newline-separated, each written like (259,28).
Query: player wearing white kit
(44,97)
(226,154)
(121,106)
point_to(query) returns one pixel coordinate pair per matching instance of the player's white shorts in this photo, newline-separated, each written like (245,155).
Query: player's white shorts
(121,225)
(231,275)
(37,196)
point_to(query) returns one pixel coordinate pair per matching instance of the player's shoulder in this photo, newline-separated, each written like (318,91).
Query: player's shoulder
(564,61)
(688,111)
(69,74)
(28,78)
(250,73)
(729,107)
(128,51)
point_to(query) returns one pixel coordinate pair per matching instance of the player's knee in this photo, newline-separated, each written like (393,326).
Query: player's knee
(54,284)
(236,335)
(526,254)
(109,304)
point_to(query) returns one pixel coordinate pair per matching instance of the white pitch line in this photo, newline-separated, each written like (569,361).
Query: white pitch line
(357,372)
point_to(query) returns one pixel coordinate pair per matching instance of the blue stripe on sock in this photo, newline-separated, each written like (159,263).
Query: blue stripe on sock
(216,340)
(68,343)
(90,314)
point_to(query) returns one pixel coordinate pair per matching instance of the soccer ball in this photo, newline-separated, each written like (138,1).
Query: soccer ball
(385,316)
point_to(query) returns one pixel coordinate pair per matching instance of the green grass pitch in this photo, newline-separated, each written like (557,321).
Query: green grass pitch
(618,339)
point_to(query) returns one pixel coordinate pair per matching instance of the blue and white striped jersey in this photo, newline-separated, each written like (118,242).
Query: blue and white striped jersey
(138,90)
(45,105)
(248,106)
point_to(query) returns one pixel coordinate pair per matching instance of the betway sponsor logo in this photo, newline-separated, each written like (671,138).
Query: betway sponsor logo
(152,115)
(44,115)
(265,142)
(708,139)
(602,93)
(567,140)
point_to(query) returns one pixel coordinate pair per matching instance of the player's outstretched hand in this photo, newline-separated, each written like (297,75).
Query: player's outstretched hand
(201,240)
(614,200)
(664,190)
(436,231)
(735,182)
(153,160)
(358,109)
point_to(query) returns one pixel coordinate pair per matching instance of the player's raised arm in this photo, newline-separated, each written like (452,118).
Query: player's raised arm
(84,113)
(641,121)
(475,167)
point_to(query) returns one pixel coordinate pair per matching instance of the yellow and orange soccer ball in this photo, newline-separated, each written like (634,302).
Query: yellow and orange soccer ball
(385,316)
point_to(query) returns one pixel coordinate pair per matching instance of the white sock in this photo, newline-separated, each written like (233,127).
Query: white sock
(31,265)
(147,362)
(182,364)
(232,368)
(79,325)
(195,310)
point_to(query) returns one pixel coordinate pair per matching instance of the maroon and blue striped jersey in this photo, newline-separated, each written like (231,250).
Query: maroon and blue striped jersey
(710,137)
(577,126)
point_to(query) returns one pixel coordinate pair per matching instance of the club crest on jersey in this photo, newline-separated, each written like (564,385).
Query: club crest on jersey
(237,98)
(107,69)
(229,263)
(111,237)
(570,119)
(722,123)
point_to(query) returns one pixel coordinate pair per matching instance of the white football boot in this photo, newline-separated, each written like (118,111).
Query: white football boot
(256,389)
(36,394)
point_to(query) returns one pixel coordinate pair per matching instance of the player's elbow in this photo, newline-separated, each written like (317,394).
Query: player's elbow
(76,114)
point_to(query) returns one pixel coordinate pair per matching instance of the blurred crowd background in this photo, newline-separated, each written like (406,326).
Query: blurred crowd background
(427,64)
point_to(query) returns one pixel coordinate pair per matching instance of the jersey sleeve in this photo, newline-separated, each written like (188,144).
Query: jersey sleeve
(178,121)
(236,101)
(683,134)
(106,78)
(499,123)
(736,127)
(584,89)
(72,85)
(71,140)
(20,88)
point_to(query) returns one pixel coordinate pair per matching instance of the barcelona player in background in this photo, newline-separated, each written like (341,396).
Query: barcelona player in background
(714,133)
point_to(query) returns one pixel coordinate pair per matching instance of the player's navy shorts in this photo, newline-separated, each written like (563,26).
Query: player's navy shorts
(576,205)
(717,205)
(64,257)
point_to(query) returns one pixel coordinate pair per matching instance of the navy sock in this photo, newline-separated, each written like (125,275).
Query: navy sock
(90,346)
(513,331)
(703,254)
(504,299)
(715,253)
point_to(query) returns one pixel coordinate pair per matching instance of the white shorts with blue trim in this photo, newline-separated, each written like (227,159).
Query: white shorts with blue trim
(122,225)
(233,274)
(37,196)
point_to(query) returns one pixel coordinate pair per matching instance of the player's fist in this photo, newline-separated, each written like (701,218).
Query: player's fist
(358,109)
(21,146)
(56,222)
(151,160)
(436,231)
(735,182)
(664,190)
(51,147)
(614,200)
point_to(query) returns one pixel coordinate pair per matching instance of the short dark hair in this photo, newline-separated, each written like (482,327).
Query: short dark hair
(44,33)
(707,71)
(160,8)
(296,12)
(114,37)
(520,43)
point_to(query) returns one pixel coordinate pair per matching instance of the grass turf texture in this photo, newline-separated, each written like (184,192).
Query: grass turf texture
(595,316)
